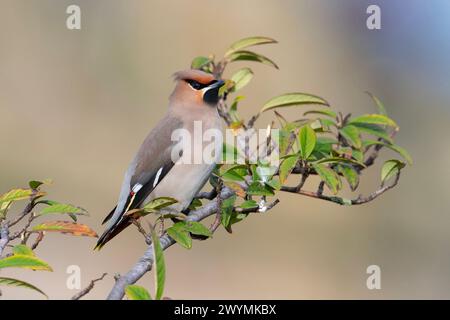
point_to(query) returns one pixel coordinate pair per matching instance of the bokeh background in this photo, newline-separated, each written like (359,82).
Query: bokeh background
(75,106)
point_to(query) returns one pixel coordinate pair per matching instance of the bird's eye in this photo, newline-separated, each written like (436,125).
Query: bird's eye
(194,84)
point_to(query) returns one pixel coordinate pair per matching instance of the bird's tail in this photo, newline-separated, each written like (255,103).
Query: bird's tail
(112,231)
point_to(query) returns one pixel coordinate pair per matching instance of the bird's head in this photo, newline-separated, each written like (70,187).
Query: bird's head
(195,87)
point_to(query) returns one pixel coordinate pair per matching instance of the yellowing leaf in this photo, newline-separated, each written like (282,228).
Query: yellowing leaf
(24,261)
(16,194)
(19,283)
(74,229)
(135,292)
(22,249)
(292,99)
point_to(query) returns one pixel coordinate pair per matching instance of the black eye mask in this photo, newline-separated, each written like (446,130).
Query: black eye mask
(199,86)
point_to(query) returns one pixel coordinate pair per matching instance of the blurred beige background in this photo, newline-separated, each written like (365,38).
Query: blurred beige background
(75,105)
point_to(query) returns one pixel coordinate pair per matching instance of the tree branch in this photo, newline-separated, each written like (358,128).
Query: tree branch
(342,201)
(144,264)
(88,289)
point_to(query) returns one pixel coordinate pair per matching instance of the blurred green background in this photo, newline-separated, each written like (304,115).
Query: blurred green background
(75,106)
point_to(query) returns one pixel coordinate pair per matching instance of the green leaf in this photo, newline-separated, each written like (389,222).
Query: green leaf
(22,249)
(159,203)
(159,266)
(274,183)
(241,78)
(227,210)
(374,119)
(24,261)
(390,168)
(197,228)
(351,134)
(135,292)
(351,175)
(34,184)
(328,175)
(379,104)
(326,112)
(258,189)
(249,204)
(200,62)
(248,42)
(307,141)
(324,145)
(16,194)
(286,167)
(251,56)
(393,147)
(180,235)
(19,283)
(374,130)
(358,155)
(293,99)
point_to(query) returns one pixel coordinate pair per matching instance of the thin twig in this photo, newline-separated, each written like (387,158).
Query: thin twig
(88,289)
(342,201)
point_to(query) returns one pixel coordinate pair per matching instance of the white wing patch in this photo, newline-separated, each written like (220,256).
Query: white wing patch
(155,182)
(136,187)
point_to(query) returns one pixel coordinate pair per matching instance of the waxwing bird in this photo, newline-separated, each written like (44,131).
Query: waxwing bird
(155,171)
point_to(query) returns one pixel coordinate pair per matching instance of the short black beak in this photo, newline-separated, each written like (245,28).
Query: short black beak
(216,84)
(211,93)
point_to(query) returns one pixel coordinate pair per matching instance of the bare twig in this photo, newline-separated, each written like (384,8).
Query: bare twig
(88,289)
(342,201)
(24,229)
(142,231)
